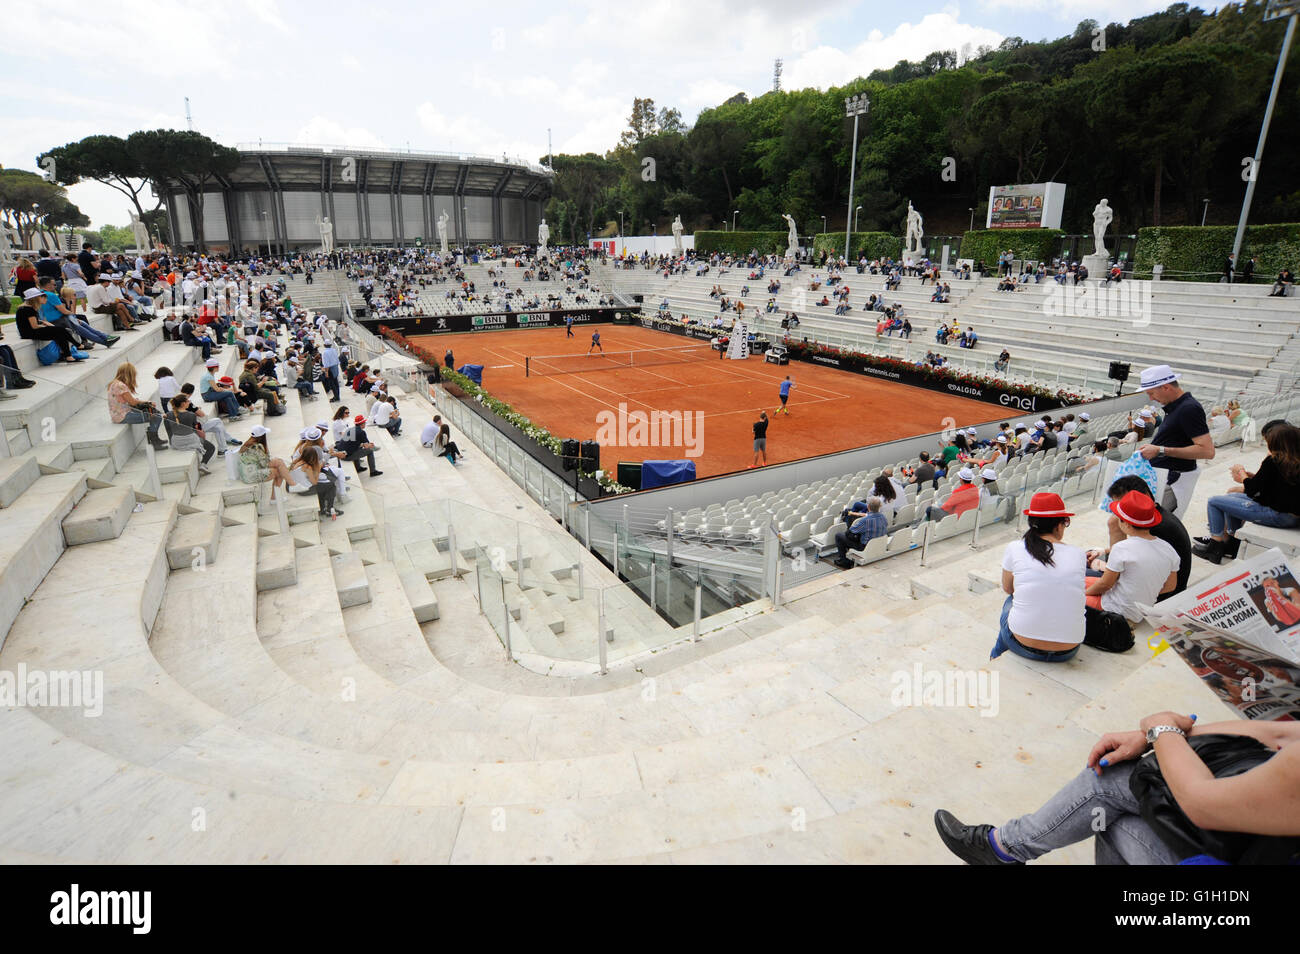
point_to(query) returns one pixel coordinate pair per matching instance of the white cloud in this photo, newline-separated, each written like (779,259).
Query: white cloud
(828,66)
(268,12)
(320,130)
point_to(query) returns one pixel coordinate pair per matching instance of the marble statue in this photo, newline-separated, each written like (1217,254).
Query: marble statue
(543,236)
(912,240)
(1102,215)
(140,232)
(677,235)
(443,219)
(326,234)
(792,240)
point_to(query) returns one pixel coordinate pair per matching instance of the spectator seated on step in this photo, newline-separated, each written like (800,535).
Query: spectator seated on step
(1259,801)
(256,465)
(186,432)
(1269,497)
(351,443)
(1138,568)
(384,414)
(1043,577)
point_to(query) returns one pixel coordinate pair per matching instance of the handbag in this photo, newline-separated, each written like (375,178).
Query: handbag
(1225,756)
(1109,632)
(48,353)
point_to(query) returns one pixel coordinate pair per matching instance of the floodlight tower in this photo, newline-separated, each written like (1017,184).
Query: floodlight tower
(856,106)
(1275,10)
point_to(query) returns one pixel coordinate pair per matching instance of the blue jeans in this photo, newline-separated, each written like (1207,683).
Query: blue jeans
(1069,816)
(134,416)
(87,331)
(1227,512)
(225,400)
(1005,642)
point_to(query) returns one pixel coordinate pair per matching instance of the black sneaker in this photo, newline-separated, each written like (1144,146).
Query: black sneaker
(970,843)
(112,340)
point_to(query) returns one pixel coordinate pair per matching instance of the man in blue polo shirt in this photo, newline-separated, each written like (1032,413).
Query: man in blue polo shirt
(329,363)
(1182,439)
(866,526)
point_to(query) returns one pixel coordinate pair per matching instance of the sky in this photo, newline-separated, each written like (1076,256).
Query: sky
(470,78)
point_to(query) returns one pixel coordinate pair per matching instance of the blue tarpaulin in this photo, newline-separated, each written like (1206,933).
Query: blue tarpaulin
(473,371)
(661,473)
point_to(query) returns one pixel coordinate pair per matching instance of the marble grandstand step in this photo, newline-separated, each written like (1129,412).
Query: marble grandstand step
(54,457)
(64,389)
(96,468)
(276,562)
(100,515)
(19,440)
(209,502)
(299,508)
(33,539)
(350,579)
(194,540)
(16,475)
(423,600)
(543,610)
(369,550)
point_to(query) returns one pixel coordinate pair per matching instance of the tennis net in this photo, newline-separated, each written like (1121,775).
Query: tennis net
(611,360)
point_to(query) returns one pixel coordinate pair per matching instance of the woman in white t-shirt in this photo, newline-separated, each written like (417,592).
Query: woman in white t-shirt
(1140,567)
(1043,617)
(168,386)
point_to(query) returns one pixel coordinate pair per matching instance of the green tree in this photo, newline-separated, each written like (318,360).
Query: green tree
(185,158)
(106,159)
(35,207)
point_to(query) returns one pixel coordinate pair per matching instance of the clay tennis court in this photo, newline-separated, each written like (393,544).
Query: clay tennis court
(830,410)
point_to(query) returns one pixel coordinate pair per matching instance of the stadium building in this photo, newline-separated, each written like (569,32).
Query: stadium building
(277,192)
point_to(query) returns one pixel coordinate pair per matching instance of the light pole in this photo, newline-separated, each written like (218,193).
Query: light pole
(857,215)
(855,106)
(266,228)
(823,225)
(972,219)
(733,219)
(1205,210)
(1276,9)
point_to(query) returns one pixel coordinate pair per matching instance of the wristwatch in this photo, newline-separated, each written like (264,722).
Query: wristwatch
(1156,731)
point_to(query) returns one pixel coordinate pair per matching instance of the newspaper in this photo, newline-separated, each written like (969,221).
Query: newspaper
(1240,631)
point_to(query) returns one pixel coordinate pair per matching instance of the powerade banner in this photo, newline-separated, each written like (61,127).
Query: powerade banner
(455,324)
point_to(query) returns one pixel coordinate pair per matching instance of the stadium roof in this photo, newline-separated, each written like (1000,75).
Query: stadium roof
(301,168)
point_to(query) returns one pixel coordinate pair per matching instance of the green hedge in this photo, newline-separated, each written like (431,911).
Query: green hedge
(985,245)
(871,244)
(741,243)
(1196,253)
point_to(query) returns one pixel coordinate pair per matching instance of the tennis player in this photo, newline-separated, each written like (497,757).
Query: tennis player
(595,343)
(760,440)
(786,385)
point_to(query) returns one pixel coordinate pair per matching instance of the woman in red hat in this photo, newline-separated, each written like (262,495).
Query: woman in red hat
(1139,567)
(1043,617)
